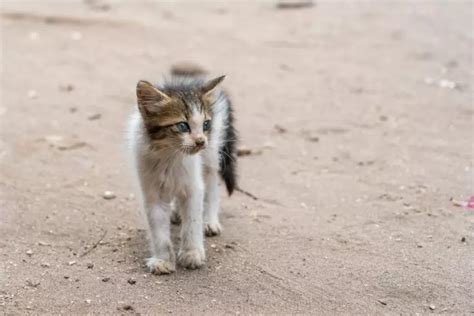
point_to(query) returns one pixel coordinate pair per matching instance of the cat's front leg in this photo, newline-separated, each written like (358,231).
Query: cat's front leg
(163,258)
(191,254)
(212,226)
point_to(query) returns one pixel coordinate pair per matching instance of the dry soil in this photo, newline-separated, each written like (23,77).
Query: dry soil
(359,116)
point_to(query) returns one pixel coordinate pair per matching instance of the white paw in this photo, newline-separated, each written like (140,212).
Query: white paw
(212,229)
(159,266)
(192,259)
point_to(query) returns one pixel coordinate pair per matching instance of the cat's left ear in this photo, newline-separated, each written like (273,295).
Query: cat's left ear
(210,85)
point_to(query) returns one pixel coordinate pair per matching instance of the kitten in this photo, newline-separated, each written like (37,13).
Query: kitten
(181,138)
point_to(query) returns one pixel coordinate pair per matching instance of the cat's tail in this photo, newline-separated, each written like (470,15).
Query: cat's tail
(228,161)
(187,69)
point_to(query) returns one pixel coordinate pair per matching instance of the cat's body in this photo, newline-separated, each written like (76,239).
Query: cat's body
(181,139)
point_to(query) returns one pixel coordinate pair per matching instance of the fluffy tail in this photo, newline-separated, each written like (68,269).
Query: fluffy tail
(228,162)
(187,69)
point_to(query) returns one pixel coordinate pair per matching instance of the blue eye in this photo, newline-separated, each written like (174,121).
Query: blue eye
(207,125)
(183,127)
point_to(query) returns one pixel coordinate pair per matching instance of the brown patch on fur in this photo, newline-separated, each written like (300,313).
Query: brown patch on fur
(157,108)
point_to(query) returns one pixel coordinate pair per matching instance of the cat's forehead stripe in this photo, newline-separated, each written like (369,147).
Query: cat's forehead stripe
(185,105)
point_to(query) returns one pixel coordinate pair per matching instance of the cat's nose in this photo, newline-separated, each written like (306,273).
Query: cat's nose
(200,141)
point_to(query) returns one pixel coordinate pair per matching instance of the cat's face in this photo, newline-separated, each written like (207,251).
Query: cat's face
(177,119)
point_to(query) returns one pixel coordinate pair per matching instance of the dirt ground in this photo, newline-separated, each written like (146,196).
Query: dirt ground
(360,119)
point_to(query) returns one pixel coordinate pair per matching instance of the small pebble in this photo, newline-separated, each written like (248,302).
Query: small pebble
(66,277)
(90,265)
(432,307)
(131,281)
(88,301)
(29,252)
(443,83)
(463,239)
(313,139)
(109,195)
(45,265)
(66,88)
(34,36)
(213,246)
(458,203)
(71,263)
(127,307)
(280,129)
(76,36)
(106,279)
(32,94)
(94,117)
(32,283)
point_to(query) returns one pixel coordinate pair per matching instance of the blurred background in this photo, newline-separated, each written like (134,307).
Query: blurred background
(356,139)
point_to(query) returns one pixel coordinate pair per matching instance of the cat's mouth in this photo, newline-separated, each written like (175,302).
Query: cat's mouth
(192,150)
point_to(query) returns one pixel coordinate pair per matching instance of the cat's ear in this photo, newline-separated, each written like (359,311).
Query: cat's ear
(146,92)
(149,97)
(210,85)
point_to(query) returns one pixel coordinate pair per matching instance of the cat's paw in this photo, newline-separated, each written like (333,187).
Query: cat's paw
(192,259)
(160,266)
(212,229)
(175,218)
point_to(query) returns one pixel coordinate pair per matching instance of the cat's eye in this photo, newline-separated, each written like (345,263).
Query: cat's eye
(206,125)
(183,127)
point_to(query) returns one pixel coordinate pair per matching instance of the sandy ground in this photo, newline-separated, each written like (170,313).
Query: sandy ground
(354,212)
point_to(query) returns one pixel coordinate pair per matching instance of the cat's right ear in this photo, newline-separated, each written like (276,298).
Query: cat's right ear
(149,96)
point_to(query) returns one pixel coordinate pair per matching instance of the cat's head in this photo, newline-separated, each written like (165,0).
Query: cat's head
(178,117)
